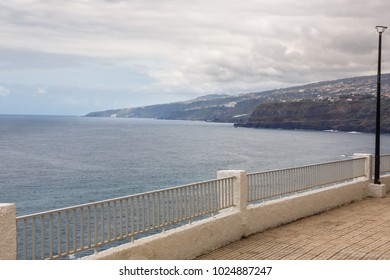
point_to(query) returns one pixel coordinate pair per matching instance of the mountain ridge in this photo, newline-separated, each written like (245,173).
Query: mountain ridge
(240,108)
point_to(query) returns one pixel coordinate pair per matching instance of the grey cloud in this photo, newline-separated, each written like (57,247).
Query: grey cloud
(202,46)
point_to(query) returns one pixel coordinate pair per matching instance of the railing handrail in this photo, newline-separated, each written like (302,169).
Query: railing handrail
(175,188)
(63,231)
(305,166)
(275,183)
(114,199)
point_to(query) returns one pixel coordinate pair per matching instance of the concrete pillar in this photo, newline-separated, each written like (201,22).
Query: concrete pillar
(240,187)
(7,231)
(369,164)
(374,190)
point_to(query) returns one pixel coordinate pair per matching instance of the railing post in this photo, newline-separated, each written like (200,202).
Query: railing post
(8,233)
(240,195)
(374,190)
(368,166)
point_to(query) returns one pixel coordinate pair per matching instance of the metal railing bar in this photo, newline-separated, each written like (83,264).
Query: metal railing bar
(110,200)
(307,166)
(148,211)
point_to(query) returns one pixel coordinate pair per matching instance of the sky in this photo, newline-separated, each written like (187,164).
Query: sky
(76,56)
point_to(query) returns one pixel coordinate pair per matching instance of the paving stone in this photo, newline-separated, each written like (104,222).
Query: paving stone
(360,230)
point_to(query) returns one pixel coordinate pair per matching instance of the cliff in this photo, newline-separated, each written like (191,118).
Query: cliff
(343,114)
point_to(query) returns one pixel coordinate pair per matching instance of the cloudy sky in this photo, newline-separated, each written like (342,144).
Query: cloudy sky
(76,56)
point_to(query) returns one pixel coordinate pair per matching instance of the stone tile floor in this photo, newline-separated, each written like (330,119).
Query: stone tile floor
(360,230)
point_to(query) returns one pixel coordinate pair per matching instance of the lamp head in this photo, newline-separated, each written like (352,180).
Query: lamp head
(380,29)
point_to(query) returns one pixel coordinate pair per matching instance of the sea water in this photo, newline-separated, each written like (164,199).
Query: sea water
(48,162)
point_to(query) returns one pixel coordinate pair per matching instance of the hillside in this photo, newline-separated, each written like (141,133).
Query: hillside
(239,108)
(344,114)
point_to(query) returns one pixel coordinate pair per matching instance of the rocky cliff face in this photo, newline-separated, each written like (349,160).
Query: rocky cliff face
(343,114)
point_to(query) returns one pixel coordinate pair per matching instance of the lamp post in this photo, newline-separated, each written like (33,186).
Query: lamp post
(380,30)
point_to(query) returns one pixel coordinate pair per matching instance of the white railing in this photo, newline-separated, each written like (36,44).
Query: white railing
(384,164)
(276,183)
(62,232)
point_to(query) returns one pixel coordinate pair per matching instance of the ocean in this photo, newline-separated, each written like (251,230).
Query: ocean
(50,162)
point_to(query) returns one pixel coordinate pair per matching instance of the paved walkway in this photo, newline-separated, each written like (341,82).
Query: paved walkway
(360,230)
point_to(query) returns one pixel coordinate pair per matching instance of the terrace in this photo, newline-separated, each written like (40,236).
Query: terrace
(357,231)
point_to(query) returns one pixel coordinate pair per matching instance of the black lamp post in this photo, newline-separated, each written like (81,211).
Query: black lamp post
(380,30)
